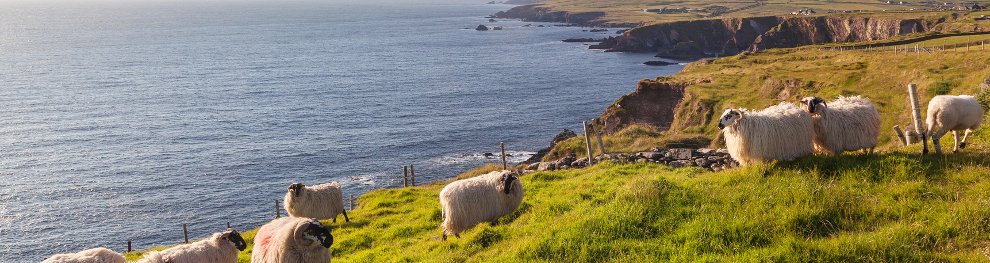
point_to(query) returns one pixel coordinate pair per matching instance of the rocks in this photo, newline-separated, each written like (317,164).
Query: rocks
(581,40)
(497,28)
(481,28)
(563,135)
(492,20)
(658,63)
(598,30)
(711,159)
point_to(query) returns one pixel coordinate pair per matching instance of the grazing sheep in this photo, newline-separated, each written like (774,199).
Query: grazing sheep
(323,201)
(953,113)
(781,132)
(291,240)
(95,255)
(845,124)
(467,202)
(220,248)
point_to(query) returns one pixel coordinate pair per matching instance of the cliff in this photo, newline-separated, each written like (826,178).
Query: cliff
(729,36)
(537,13)
(651,104)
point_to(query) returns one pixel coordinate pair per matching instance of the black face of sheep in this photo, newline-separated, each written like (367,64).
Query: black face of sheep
(236,238)
(294,188)
(728,117)
(507,182)
(813,103)
(317,230)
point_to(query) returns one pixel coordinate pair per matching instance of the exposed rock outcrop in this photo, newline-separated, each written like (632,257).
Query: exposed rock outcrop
(711,159)
(537,13)
(729,36)
(651,104)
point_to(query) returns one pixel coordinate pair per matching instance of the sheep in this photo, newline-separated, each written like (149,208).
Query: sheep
(219,248)
(468,202)
(781,132)
(845,124)
(953,113)
(291,240)
(95,255)
(323,201)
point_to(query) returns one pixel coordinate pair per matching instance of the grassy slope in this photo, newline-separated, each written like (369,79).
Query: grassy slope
(889,207)
(629,11)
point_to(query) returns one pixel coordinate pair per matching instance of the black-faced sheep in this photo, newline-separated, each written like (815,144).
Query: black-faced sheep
(292,240)
(780,132)
(95,255)
(324,201)
(953,113)
(219,248)
(845,124)
(485,198)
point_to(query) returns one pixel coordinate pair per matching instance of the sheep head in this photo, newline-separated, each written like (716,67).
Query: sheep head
(507,180)
(235,238)
(311,232)
(296,188)
(730,117)
(812,103)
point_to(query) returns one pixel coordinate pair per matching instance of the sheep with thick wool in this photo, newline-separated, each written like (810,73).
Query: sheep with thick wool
(781,132)
(953,113)
(485,198)
(95,255)
(324,201)
(292,240)
(844,124)
(219,248)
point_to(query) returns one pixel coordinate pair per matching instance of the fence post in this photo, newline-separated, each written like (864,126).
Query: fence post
(228,225)
(185,233)
(916,113)
(405,176)
(505,166)
(900,135)
(129,246)
(598,133)
(350,201)
(587,142)
(278,212)
(412,175)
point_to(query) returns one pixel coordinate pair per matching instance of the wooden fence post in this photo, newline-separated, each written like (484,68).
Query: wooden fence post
(351,202)
(228,225)
(185,233)
(405,176)
(505,166)
(412,175)
(900,135)
(278,212)
(129,246)
(587,143)
(916,113)
(598,133)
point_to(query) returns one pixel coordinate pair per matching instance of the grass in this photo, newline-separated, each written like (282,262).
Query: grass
(630,11)
(880,208)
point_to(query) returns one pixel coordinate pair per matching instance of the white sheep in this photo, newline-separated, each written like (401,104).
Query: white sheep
(324,201)
(781,132)
(845,124)
(468,202)
(292,240)
(953,113)
(95,255)
(219,248)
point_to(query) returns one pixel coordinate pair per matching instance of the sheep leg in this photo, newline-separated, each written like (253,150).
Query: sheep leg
(936,139)
(346,219)
(871,150)
(955,137)
(443,236)
(965,135)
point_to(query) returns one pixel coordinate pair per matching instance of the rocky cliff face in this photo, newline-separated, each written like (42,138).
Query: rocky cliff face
(652,104)
(730,36)
(537,13)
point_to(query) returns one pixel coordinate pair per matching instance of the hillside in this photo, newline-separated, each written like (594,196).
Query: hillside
(632,11)
(887,207)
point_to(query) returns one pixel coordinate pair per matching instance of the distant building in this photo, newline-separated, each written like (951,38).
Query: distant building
(806,11)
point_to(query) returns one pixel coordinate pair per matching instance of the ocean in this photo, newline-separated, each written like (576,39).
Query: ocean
(122,120)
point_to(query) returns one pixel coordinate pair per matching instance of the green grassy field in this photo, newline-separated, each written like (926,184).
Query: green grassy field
(630,11)
(881,208)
